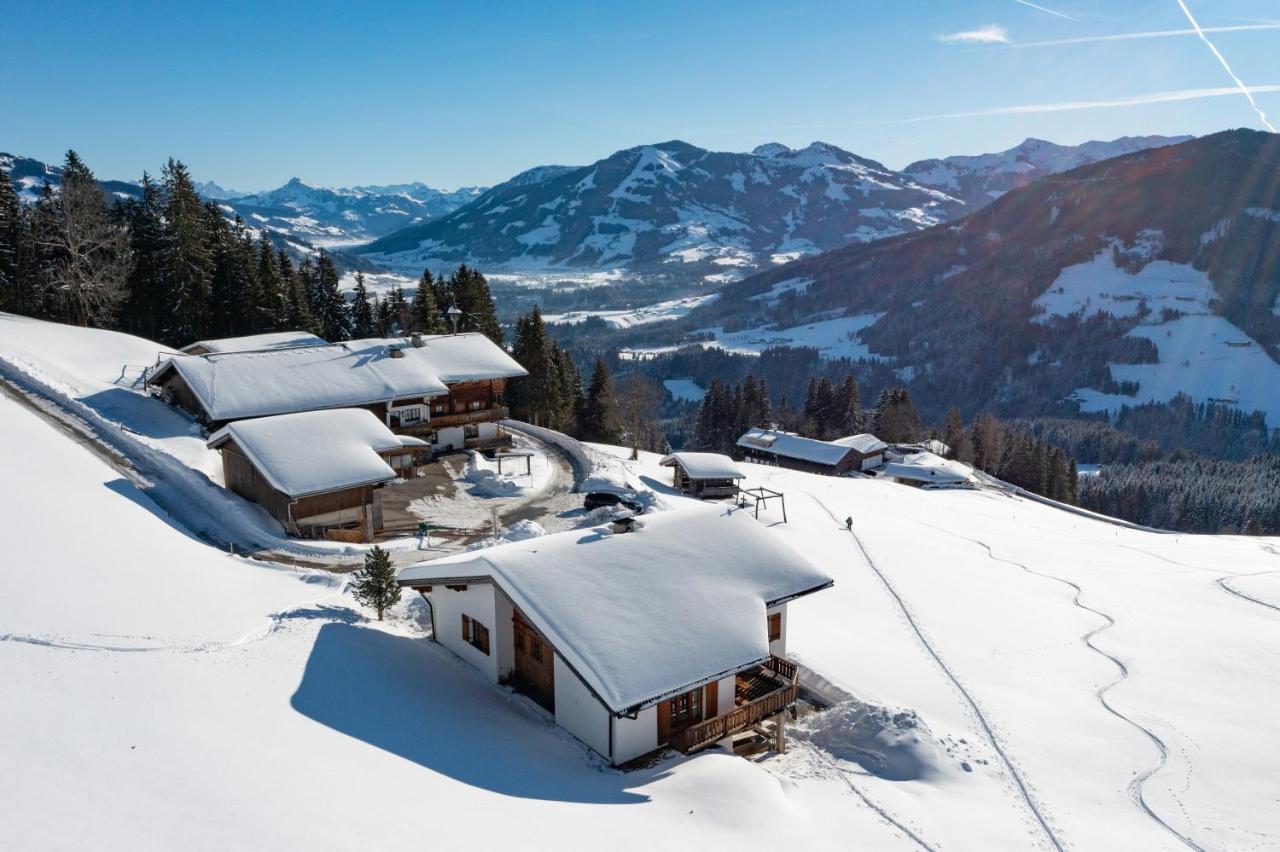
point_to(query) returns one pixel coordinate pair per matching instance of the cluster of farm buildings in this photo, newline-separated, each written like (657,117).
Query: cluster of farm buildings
(580,624)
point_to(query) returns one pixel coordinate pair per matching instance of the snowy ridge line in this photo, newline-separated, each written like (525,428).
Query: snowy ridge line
(969,699)
(1135,786)
(844,774)
(1013,490)
(190,499)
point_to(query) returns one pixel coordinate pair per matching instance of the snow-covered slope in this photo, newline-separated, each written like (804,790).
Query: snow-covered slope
(676,209)
(978,179)
(1010,676)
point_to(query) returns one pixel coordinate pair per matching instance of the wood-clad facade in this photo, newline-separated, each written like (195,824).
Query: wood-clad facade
(345,514)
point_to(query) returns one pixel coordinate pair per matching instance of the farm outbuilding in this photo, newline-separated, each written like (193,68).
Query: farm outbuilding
(319,473)
(704,475)
(771,446)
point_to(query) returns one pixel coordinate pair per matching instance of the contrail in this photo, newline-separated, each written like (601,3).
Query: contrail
(1043,9)
(1262,116)
(1268,25)
(1135,100)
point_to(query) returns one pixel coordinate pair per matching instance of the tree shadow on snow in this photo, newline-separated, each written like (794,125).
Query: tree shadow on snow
(415,701)
(132,492)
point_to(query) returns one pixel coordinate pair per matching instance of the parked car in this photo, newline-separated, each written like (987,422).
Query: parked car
(596,499)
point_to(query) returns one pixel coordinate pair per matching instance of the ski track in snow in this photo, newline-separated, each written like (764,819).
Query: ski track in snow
(843,775)
(964,693)
(1136,785)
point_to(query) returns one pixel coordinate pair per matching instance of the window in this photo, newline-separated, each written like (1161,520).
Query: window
(775,627)
(408,415)
(686,708)
(475,634)
(535,649)
(475,405)
(438,408)
(470,430)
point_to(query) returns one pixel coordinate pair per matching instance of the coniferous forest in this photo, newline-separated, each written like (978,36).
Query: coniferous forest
(170,266)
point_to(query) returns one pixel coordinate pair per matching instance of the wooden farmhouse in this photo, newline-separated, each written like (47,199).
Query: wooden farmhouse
(707,476)
(668,631)
(445,389)
(253,342)
(770,446)
(927,470)
(868,450)
(319,473)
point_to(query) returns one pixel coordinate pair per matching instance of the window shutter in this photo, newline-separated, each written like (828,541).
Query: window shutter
(466,629)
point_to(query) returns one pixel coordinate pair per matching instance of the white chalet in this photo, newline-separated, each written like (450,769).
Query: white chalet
(670,634)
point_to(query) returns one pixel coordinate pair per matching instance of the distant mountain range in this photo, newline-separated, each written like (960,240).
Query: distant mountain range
(1115,283)
(671,211)
(676,210)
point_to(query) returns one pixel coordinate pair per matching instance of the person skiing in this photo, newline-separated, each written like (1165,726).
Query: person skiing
(848,524)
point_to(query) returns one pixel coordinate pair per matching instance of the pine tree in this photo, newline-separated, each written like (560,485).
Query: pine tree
(375,584)
(187,263)
(600,420)
(331,307)
(569,393)
(847,413)
(470,292)
(362,319)
(382,315)
(38,258)
(956,437)
(895,419)
(297,305)
(398,310)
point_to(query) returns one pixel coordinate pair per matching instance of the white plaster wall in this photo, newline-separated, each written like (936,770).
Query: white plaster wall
(778,647)
(634,737)
(478,601)
(450,436)
(724,697)
(578,711)
(502,640)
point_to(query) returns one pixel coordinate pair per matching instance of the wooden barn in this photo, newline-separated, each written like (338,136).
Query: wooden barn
(868,450)
(708,476)
(446,389)
(604,630)
(319,473)
(770,446)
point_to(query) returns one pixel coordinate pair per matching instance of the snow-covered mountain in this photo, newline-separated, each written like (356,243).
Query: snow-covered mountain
(677,209)
(977,180)
(30,175)
(1117,283)
(323,215)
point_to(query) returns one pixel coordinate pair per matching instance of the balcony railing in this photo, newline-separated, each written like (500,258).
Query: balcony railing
(484,415)
(745,716)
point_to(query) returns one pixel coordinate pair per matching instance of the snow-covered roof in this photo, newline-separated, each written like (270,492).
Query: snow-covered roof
(705,465)
(311,452)
(927,467)
(863,442)
(271,340)
(644,615)
(793,446)
(236,385)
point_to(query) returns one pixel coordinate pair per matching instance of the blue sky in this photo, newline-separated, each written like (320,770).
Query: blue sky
(456,93)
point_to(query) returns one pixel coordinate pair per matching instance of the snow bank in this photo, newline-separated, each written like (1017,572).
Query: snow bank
(518,531)
(891,744)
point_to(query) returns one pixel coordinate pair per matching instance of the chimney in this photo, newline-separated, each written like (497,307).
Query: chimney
(416,340)
(395,351)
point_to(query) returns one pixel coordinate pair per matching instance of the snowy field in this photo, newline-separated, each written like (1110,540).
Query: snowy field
(1008,676)
(684,390)
(833,338)
(659,312)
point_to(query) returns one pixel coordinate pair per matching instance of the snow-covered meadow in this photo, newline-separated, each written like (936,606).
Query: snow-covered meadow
(1006,675)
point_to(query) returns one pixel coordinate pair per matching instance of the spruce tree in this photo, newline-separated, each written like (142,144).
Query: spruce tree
(297,305)
(382,315)
(600,420)
(10,238)
(847,413)
(569,394)
(375,584)
(273,309)
(470,292)
(187,263)
(362,318)
(331,307)
(398,311)
(425,315)
(148,303)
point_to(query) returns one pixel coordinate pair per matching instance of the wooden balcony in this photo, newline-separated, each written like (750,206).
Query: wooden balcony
(461,418)
(759,694)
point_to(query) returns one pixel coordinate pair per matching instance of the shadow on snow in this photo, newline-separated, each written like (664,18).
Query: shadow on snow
(414,700)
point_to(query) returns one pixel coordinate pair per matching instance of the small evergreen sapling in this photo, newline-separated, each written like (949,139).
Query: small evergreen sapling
(375,584)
